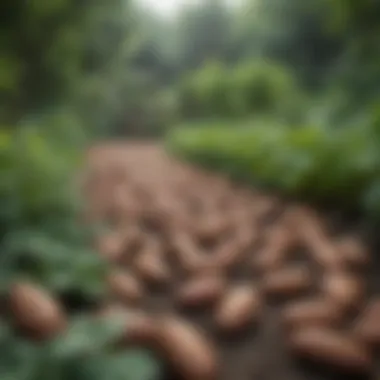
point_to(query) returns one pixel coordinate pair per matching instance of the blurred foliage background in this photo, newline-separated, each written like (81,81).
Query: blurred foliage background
(280,93)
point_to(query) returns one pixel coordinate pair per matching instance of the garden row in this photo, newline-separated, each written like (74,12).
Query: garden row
(322,165)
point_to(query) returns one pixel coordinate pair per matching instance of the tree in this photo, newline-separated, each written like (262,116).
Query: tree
(204,33)
(48,48)
(294,33)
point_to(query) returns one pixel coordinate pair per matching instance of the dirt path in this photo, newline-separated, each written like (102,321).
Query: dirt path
(259,278)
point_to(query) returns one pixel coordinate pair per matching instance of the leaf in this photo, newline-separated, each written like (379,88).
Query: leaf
(88,335)
(127,365)
(18,359)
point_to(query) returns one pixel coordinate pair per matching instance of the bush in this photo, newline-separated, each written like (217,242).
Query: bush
(249,89)
(262,88)
(205,93)
(322,165)
(43,241)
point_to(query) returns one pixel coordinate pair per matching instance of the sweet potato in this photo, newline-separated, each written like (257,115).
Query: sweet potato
(322,248)
(367,326)
(202,290)
(226,255)
(150,263)
(191,257)
(211,228)
(125,287)
(344,289)
(310,312)
(287,281)
(353,252)
(274,253)
(140,328)
(111,246)
(187,349)
(36,312)
(240,306)
(332,348)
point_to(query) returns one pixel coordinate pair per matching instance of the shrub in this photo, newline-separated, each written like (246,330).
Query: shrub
(42,240)
(314,163)
(205,93)
(250,89)
(261,88)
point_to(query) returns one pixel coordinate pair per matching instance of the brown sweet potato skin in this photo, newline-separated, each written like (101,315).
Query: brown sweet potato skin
(332,348)
(344,289)
(190,353)
(287,281)
(125,287)
(240,306)
(202,290)
(310,312)
(36,312)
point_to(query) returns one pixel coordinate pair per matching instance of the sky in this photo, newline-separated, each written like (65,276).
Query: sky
(166,7)
(169,8)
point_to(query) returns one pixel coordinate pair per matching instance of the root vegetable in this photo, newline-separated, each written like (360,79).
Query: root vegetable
(288,281)
(240,306)
(35,311)
(274,253)
(125,287)
(268,260)
(226,255)
(187,349)
(247,236)
(212,228)
(332,348)
(311,312)
(201,290)
(140,328)
(367,326)
(264,206)
(344,289)
(133,240)
(323,250)
(111,247)
(189,255)
(150,263)
(353,252)
(231,252)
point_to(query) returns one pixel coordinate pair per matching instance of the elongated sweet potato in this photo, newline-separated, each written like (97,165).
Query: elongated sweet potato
(125,287)
(311,312)
(190,257)
(287,281)
(150,263)
(140,328)
(353,251)
(345,289)
(226,255)
(240,306)
(211,228)
(332,348)
(367,326)
(36,312)
(187,349)
(202,290)
(279,241)
(322,248)
(111,247)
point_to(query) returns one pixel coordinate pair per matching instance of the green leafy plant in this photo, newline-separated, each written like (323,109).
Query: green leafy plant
(337,166)
(44,241)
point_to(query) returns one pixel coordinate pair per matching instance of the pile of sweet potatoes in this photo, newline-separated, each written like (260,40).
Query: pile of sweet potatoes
(206,244)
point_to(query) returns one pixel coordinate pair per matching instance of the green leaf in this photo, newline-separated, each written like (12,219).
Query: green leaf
(127,365)
(88,335)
